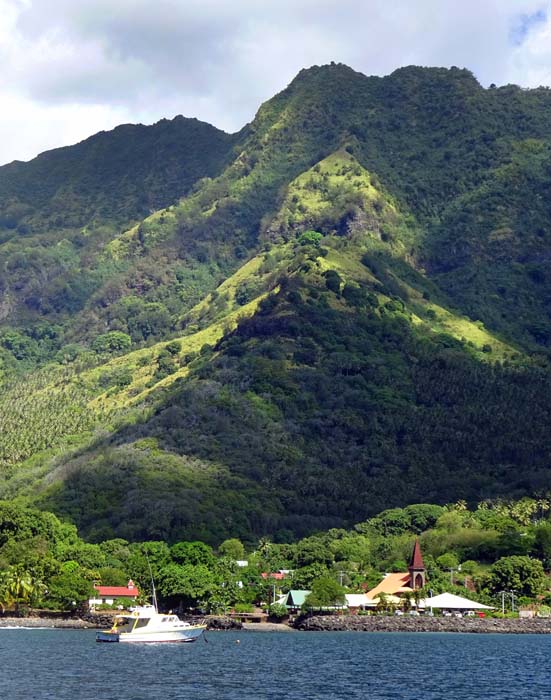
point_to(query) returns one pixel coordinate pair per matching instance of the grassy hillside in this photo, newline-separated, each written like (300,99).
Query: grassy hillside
(325,401)
(351,313)
(59,213)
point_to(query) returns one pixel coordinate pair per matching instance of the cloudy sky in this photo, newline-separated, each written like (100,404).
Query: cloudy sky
(69,68)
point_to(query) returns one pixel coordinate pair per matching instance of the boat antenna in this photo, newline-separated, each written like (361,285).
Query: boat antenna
(153,593)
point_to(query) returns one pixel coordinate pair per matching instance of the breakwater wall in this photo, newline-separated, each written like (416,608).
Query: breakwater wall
(53,622)
(381,623)
(98,620)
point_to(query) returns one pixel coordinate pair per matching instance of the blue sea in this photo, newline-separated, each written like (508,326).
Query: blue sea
(62,665)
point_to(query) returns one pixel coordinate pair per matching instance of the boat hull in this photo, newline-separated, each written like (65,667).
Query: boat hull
(190,634)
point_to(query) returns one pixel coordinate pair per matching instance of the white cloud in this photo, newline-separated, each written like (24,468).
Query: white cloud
(71,68)
(29,128)
(530,62)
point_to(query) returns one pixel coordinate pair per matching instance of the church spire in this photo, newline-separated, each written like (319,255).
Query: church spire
(417,571)
(417,557)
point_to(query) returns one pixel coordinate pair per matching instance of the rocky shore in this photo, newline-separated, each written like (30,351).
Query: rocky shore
(51,622)
(381,623)
(315,623)
(91,620)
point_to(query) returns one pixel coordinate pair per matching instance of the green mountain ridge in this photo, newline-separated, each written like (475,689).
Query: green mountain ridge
(344,308)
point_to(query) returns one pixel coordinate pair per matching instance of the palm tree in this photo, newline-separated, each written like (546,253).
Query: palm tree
(418,595)
(19,588)
(407,597)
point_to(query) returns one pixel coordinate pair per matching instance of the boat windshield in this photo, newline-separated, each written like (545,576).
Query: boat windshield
(124,623)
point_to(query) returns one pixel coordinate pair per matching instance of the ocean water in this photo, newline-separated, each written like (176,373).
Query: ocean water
(61,665)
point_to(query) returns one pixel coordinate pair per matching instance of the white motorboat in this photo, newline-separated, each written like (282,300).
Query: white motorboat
(146,624)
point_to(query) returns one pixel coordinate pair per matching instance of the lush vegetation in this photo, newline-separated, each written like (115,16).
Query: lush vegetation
(344,307)
(500,546)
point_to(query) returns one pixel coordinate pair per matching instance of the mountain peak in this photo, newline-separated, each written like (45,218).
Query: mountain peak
(414,76)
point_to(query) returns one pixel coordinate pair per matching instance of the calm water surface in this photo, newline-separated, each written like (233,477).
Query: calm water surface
(63,665)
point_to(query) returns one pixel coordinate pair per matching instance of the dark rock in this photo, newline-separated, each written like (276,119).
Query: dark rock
(223,623)
(382,623)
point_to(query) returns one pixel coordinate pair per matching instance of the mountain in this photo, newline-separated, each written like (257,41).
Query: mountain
(344,307)
(114,176)
(59,212)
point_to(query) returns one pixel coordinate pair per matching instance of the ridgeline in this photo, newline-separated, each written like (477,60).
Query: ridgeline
(342,308)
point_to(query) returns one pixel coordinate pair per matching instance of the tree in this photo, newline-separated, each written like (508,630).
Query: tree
(18,588)
(385,603)
(423,515)
(447,561)
(303,578)
(147,559)
(278,610)
(542,543)
(310,238)
(192,553)
(326,592)
(89,556)
(114,341)
(152,319)
(69,588)
(313,550)
(407,599)
(188,584)
(393,521)
(521,574)
(333,281)
(232,548)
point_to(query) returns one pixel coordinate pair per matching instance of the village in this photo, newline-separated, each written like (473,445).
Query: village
(397,594)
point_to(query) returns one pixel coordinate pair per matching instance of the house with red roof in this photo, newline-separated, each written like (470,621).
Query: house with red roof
(276,575)
(107,595)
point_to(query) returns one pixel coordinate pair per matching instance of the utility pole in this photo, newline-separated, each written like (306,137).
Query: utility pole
(451,573)
(507,594)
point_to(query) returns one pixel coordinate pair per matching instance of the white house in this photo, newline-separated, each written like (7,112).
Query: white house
(106,595)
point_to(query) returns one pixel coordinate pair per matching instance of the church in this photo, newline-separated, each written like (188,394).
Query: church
(397,583)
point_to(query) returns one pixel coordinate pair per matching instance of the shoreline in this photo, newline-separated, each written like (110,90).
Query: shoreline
(267,627)
(381,623)
(322,623)
(46,622)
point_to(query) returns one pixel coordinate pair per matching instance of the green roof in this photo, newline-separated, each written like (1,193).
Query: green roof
(295,599)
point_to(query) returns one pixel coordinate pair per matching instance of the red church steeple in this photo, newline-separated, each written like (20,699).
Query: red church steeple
(417,571)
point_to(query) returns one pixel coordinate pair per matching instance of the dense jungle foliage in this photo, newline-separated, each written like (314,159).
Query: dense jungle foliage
(503,545)
(345,307)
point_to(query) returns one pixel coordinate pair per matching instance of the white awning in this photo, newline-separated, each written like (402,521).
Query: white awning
(358,600)
(449,601)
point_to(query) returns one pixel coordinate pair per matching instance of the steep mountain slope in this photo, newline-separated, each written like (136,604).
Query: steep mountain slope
(353,313)
(112,177)
(324,405)
(59,212)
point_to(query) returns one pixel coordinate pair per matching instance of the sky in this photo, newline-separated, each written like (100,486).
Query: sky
(70,68)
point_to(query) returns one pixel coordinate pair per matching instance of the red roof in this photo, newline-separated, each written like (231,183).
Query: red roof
(278,576)
(417,557)
(128,591)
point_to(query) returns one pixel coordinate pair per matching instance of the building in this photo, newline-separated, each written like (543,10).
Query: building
(396,584)
(275,576)
(451,603)
(358,601)
(295,599)
(107,595)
